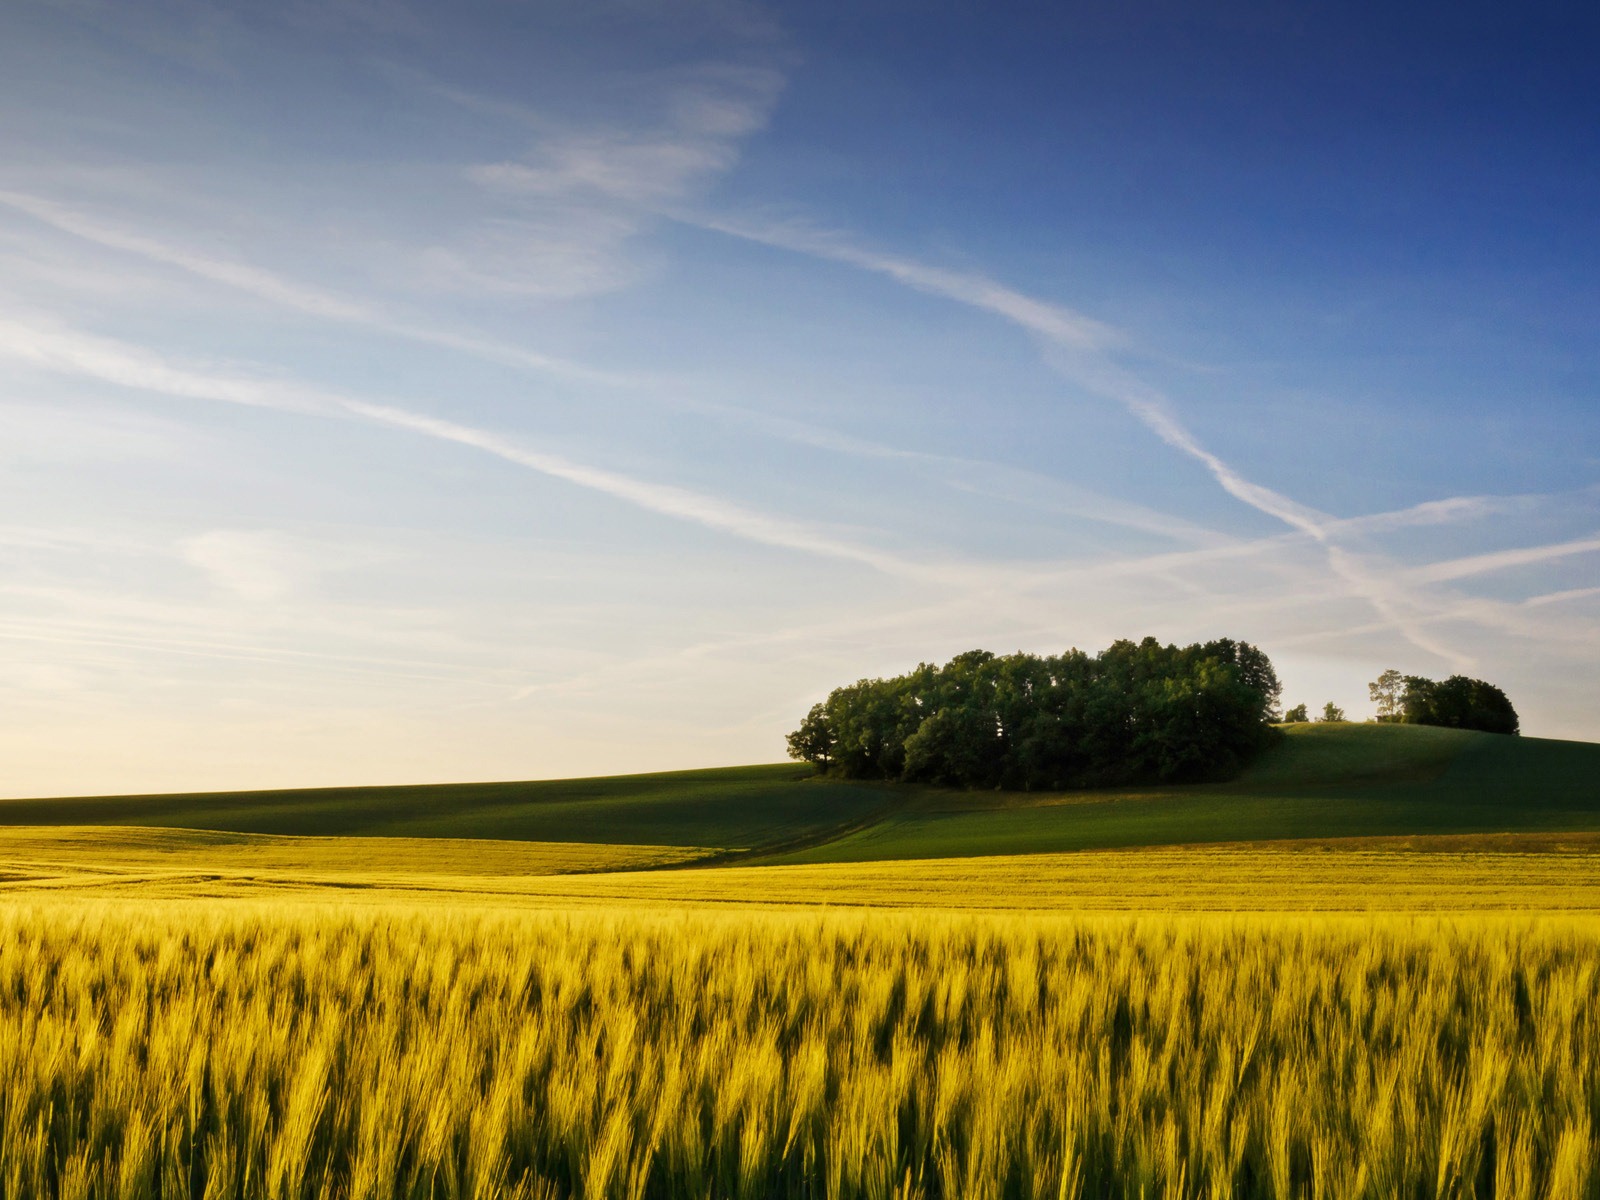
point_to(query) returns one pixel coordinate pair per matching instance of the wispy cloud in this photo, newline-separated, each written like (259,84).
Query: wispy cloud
(275,289)
(1514,619)
(1080,348)
(1503,560)
(1401,606)
(1562,597)
(663,499)
(700,114)
(968,474)
(579,192)
(981,476)
(1448,511)
(246,278)
(1050,321)
(64,351)
(1060,328)
(634,172)
(271,287)
(109,361)
(587,169)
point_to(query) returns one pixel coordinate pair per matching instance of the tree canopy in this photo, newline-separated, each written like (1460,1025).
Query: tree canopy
(1386,691)
(1457,703)
(1135,712)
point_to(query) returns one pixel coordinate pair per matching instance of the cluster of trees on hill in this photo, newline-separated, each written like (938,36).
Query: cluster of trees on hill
(1330,712)
(1457,702)
(1135,712)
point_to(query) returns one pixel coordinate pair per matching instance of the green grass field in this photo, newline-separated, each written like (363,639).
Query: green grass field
(1334,818)
(1321,781)
(733,808)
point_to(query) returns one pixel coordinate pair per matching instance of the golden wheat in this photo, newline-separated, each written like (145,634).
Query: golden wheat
(1529,871)
(247,1050)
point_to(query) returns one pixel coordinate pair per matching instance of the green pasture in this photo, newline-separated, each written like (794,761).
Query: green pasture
(730,808)
(1319,781)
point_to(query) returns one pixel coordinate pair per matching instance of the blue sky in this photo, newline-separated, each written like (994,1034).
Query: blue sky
(398,392)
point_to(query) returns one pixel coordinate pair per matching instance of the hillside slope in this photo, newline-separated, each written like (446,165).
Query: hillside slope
(1320,781)
(728,809)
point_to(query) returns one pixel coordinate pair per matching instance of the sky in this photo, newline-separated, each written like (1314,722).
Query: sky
(397,392)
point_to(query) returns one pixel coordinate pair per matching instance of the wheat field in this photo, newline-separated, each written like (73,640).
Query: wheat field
(1543,872)
(253,1049)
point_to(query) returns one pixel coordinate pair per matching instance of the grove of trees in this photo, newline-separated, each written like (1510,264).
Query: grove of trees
(1456,703)
(1135,712)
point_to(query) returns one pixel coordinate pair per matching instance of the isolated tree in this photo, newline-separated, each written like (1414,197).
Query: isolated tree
(1457,703)
(1332,712)
(1296,714)
(1386,691)
(813,741)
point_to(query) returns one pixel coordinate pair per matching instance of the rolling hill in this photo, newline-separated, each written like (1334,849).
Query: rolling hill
(1330,818)
(1320,781)
(732,808)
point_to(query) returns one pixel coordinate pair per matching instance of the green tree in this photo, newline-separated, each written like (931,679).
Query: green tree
(1136,711)
(1296,715)
(1458,703)
(813,741)
(1386,692)
(1331,712)
(958,745)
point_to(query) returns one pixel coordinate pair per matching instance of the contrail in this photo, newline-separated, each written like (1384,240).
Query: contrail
(1087,343)
(313,302)
(1501,560)
(129,366)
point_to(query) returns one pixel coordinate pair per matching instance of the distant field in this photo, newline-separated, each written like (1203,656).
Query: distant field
(112,860)
(1548,873)
(1455,875)
(732,808)
(1321,781)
